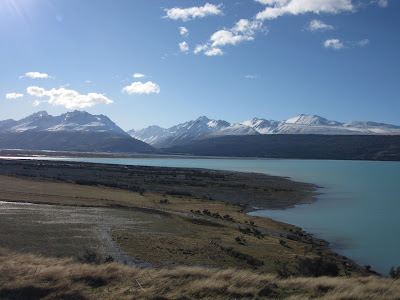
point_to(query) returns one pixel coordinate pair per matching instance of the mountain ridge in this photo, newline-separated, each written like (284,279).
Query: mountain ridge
(70,121)
(71,131)
(183,133)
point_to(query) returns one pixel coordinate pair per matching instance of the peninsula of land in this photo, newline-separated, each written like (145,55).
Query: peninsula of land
(159,217)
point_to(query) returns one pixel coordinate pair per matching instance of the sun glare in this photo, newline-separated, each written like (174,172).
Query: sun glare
(16,8)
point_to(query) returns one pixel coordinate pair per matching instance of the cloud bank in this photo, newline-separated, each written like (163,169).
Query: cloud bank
(70,99)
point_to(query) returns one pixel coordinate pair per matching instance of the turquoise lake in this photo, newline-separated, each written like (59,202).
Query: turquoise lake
(358,212)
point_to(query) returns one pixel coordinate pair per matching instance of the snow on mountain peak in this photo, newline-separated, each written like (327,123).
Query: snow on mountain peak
(306,120)
(203,119)
(70,121)
(300,124)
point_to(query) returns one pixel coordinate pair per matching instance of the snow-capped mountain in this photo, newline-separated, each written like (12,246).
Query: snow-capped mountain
(261,125)
(161,137)
(72,131)
(150,135)
(71,122)
(237,129)
(300,124)
(311,120)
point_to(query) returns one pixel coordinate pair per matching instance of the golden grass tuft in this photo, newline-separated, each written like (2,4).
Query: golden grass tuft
(25,276)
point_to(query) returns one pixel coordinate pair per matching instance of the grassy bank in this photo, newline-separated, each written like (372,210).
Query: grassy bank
(160,229)
(26,276)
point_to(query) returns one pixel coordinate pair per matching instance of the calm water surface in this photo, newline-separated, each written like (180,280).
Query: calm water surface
(358,212)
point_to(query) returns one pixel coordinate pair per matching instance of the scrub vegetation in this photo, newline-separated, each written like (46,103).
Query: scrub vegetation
(26,276)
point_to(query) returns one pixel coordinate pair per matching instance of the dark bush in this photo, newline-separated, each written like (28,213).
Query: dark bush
(394,273)
(246,257)
(282,269)
(91,257)
(228,218)
(317,267)
(86,182)
(178,193)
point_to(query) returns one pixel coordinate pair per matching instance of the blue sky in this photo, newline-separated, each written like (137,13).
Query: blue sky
(270,59)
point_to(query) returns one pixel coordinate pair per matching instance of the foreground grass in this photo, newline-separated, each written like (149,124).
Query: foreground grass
(25,276)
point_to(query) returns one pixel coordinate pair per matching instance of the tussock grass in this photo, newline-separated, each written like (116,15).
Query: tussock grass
(25,276)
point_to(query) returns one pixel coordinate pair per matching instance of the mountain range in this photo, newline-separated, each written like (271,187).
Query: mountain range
(303,136)
(72,131)
(76,121)
(203,127)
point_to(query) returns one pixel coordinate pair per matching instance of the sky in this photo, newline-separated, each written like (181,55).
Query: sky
(157,62)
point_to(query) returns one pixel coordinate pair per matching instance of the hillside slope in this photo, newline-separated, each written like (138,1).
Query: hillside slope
(357,147)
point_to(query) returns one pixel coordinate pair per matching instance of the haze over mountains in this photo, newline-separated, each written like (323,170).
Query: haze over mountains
(202,127)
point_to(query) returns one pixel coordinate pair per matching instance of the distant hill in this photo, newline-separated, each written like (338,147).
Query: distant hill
(72,131)
(355,147)
(183,133)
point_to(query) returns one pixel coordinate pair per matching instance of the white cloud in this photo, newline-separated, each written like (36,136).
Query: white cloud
(88,81)
(184,47)
(138,75)
(243,30)
(37,102)
(200,48)
(14,96)
(317,25)
(334,44)
(383,3)
(186,14)
(68,98)
(142,88)
(272,2)
(183,31)
(214,52)
(249,76)
(35,75)
(363,43)
(225,37)
(247,27)
(277,8)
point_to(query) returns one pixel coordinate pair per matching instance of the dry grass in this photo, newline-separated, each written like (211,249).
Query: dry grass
(25,276)
(172,232)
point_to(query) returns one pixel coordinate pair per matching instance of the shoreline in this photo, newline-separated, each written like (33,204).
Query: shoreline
(248,189)
(228,192)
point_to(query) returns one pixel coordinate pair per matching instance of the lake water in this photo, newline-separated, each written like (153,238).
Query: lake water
(358,212)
